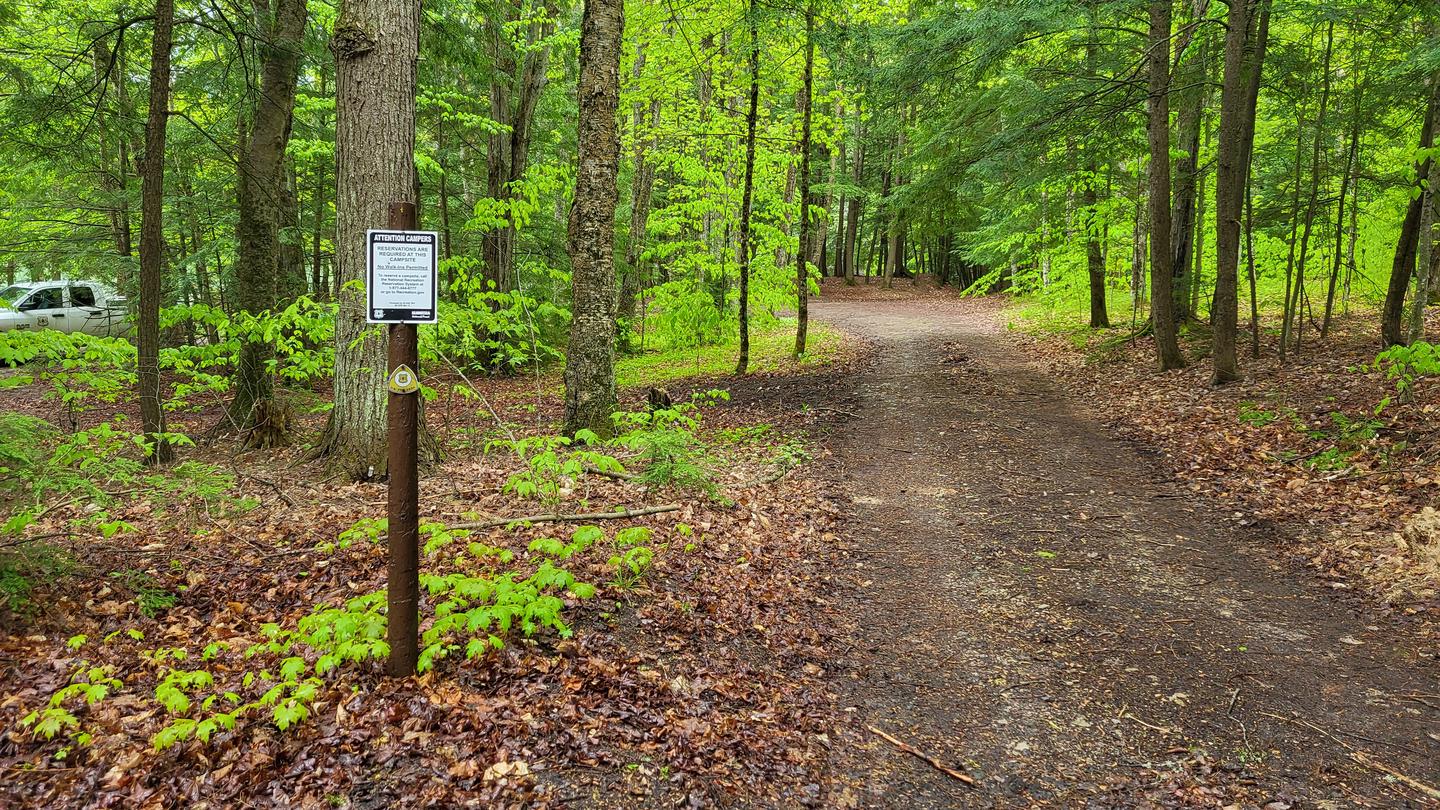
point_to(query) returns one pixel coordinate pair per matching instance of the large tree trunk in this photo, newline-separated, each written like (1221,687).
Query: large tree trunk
(263,197)
(376,46)
(1162,302)
(803,257)
(1237,132)
(589,360)
(1391,330)
(152,239)
(742,365)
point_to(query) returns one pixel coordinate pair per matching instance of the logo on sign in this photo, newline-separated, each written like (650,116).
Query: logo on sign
(403,380)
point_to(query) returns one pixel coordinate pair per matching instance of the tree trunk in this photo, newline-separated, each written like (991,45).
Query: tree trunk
(152,239)
(262,192)
(802,258)
(642,185)
(742,365)
(1138,240)
(1094,252)
(1237,132)
(590,358)
(1346,178)
(1315,168)
(1162,301)
(376,46)
(1425,252)
(1192,77)
(1391,331)
(508,154)
(852,228)
(837,170)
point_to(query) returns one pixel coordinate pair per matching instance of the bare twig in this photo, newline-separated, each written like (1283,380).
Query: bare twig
(558,518)
(959,776)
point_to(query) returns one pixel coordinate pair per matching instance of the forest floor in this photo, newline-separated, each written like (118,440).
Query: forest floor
(1050,613)
(935,533)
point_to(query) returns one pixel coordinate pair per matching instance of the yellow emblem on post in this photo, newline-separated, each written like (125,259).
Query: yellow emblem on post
(403,380)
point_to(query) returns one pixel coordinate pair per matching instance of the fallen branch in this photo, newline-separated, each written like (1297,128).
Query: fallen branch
(959,776)
(1363,759)
(558,518)
(1360,756)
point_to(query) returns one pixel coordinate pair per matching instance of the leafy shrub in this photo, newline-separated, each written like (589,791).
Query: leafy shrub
(1404,366)
(481,328)
(665,440)
(552,466)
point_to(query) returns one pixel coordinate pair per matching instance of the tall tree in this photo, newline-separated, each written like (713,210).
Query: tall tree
(152,237)
(1162,302)
(262,192)
(1245,42)
(1192,59)
(803,257)
(747,250)
(514,97)
(376,47)
(590,360)
(1391,329)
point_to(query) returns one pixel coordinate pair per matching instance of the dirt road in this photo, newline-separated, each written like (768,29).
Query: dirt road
(1036,606)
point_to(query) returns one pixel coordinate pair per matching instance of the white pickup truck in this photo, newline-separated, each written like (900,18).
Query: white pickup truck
(66,306)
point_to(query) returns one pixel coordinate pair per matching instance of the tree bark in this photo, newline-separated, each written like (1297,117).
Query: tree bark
(262,193)
(1237,131)
(742,364)
(1425,252)
(376,47)
(589,360)
(152,239)
(1391,329)
(1192,75)
(1094,249)
(803,257)
(1162,301)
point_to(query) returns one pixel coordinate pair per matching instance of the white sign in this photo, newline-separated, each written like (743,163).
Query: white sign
(401,272)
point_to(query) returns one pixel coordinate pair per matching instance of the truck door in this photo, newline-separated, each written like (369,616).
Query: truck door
(46,306)
(88,316)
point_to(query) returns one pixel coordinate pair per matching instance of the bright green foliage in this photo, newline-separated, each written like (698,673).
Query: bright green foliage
(1404,366)
(665,440)
(633,556)
(88,686)
(554,463)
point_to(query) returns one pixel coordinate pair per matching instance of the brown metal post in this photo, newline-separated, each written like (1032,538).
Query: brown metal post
(403,582)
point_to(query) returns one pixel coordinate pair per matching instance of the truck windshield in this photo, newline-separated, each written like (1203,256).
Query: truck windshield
(10,295)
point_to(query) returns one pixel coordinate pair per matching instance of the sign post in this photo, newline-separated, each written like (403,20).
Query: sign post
(401,281)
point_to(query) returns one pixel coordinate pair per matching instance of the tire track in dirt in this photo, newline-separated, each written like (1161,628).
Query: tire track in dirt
(1035,604)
